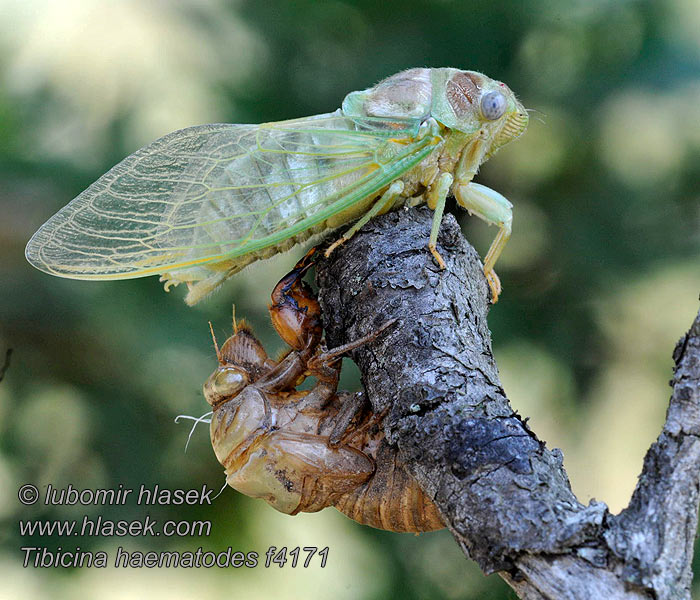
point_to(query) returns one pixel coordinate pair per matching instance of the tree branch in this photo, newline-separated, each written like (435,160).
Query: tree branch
(506,497)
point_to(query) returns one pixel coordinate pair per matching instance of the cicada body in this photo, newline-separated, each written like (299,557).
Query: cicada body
(200,204)
(302,451)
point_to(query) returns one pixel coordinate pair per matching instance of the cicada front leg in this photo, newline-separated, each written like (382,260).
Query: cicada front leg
(436,199)
(295,314)
(493,208)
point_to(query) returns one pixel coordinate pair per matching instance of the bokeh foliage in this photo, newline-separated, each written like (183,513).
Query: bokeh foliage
(600,278)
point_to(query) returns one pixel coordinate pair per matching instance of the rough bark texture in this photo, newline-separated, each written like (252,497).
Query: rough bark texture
(505,495)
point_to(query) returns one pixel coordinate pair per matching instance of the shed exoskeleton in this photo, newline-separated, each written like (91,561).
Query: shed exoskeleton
(302,451)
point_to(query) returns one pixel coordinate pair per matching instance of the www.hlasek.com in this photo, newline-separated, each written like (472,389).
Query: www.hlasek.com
(45,557)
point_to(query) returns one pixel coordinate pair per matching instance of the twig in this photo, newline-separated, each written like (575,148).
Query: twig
(505,495)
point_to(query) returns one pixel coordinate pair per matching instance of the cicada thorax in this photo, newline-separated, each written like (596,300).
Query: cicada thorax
(234,426)
(406,94)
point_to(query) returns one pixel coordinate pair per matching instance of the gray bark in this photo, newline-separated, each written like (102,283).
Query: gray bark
(505,496)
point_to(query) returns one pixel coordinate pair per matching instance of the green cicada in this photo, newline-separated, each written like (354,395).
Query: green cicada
(200,204)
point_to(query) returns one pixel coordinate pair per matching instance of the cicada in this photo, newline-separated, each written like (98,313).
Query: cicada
(302,451)
(200,204)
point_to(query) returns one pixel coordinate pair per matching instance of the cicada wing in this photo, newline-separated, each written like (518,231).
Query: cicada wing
(207,194)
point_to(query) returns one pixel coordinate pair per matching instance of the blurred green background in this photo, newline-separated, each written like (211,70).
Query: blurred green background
(600,278)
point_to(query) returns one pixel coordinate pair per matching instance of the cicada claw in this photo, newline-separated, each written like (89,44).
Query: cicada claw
(436,255)
(494,283)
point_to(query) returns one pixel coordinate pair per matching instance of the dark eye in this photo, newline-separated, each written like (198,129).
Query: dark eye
(493,105)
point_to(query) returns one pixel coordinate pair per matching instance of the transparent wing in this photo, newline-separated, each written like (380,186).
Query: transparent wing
(207,194)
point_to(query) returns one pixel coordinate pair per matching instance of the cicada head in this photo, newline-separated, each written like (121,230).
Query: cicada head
(242,360)
(464,101)
(473,103)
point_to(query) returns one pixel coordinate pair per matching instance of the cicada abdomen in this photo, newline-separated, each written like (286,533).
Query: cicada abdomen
(391,498)
(275,448)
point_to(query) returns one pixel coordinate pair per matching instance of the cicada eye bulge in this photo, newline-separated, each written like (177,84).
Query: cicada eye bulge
(229,381)
(493,105)
(224,383)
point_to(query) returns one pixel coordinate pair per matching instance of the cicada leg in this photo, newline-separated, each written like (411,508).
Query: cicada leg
(325,367)
(296,316)
(493,208)
(436,201)
(327,375)
(342,433)
(351,405)
(385,201)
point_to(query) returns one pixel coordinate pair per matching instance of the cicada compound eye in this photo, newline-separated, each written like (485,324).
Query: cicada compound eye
(493,105)
(223,383)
